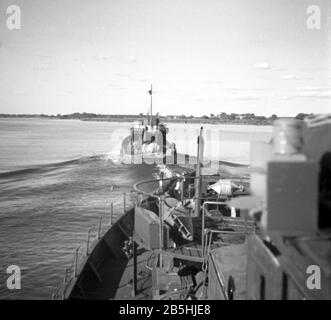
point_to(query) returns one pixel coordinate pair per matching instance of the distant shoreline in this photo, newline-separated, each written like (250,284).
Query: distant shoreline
(191,121)
(131,118)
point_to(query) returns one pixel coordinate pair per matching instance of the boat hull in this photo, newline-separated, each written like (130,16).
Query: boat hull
(135,155)
(102,272)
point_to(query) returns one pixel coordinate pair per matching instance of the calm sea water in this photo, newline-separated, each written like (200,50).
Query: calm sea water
(57,177)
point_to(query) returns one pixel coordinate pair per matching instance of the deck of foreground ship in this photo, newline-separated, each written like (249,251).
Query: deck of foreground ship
(109,273)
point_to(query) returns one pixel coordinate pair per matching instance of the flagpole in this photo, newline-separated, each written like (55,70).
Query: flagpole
(151,116)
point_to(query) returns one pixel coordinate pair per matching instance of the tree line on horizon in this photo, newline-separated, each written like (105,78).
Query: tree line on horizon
(87,115)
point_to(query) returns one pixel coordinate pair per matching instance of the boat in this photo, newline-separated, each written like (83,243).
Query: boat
(134,147)
(147,141)
(188,244)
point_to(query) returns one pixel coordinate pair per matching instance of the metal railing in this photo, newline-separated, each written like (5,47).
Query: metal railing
(219,279)
(82,253)
(206,240)
(159,185)
(246,228)
(203,231)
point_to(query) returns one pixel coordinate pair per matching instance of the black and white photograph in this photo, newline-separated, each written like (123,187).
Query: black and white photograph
(165,150)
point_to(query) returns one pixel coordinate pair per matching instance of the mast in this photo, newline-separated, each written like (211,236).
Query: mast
(151,108)
(197,182)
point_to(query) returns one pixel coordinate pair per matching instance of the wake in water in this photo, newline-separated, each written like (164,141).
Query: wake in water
(44,168)
(46,211)
(114,159)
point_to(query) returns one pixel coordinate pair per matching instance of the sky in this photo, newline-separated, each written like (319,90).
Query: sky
(202,57)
